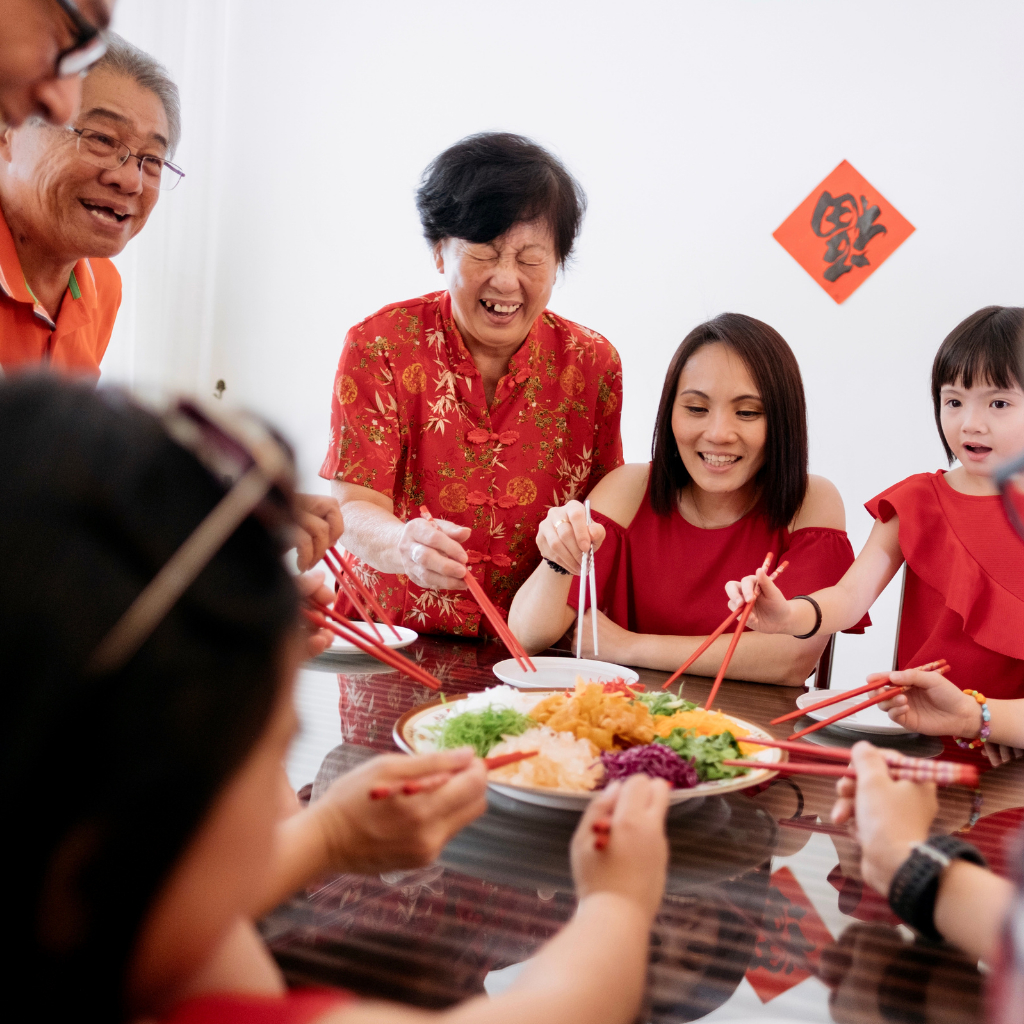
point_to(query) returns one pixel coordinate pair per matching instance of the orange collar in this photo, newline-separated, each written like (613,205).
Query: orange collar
(13,284)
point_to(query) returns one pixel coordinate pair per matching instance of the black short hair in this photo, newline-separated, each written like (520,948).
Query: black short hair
(776,373)
(987,346)
(481,186)
(107,777)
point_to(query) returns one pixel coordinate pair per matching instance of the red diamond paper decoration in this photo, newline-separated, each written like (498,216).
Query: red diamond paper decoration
(790,941)
(843,232)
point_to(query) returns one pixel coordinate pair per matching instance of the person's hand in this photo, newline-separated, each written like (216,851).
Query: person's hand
(432,553)
(563,536)
(889,817)
(932,704)
(634,862)
(312,585)
(615,643)
(772,613)
(401,831)
(999,753)
(319,522)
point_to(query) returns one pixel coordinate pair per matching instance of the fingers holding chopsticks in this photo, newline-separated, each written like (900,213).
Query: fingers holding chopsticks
(771,611)
(563,536)
(432,553)
(932,704)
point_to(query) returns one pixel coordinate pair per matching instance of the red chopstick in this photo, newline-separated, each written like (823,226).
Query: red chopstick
(740,626)
(344,587)
(840,695)
(942,773)
(500,760)
(345,569)
(344,628)
(493,615)
(706,644)
(892,691)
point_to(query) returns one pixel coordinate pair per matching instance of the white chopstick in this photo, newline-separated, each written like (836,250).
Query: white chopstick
(582,605)
(592,575)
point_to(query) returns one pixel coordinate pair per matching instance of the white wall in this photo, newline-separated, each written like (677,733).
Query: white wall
(695,128)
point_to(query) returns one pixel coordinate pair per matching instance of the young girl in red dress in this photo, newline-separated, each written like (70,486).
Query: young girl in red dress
(964,593)
(144,788)
(728,483)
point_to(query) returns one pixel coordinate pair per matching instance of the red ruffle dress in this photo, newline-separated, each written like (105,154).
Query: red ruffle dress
(964,596)
(300,1006)
(666,576)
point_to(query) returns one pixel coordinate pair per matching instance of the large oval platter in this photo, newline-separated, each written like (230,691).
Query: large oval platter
(409,729)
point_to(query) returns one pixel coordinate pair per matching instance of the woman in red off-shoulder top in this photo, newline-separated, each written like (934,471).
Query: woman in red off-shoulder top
(964,597)
(728,484)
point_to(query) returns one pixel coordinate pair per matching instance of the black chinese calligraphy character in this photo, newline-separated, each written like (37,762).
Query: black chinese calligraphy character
(833,218)
(782,946)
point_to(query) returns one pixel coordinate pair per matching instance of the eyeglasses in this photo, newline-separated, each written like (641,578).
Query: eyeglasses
(238,449)
(1009,478)
(102,151)
(89,46)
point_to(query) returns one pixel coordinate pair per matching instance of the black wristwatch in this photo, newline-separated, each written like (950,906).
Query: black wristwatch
(916,882)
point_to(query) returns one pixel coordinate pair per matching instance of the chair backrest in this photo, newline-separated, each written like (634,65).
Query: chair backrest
(823,672)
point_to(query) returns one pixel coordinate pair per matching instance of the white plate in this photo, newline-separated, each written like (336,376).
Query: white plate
(871,720)
(405,735)
(383,632)
(560,673)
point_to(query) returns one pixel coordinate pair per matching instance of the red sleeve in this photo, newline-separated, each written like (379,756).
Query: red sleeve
(606,564)
(299,1006)
(364,445)
(882,507)
(818,558)
(607,438)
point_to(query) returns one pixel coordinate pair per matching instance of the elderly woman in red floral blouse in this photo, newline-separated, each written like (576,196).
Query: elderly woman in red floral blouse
(476,401)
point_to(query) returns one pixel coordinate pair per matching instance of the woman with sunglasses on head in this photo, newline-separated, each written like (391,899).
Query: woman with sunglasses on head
(728,483)
(144,732)
(964,590)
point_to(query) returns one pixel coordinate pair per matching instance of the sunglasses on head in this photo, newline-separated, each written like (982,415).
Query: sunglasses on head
(259,472)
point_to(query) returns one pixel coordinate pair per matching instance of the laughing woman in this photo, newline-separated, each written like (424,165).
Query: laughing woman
(728,483)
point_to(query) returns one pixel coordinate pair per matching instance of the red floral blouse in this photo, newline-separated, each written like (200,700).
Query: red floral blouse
(409,419)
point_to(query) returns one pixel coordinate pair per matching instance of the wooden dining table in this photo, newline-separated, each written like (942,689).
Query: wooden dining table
(764,915)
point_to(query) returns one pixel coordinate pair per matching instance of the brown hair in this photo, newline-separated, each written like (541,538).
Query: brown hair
(987,346)
(770,361)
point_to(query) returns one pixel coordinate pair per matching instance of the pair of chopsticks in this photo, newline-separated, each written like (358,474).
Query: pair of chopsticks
(328,618)
(585,575)
(356,591)
(493,615)
(941,666)
(916,769)
(744,614)
(432,782)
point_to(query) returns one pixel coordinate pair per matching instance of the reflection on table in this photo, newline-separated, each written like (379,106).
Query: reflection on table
(764,911)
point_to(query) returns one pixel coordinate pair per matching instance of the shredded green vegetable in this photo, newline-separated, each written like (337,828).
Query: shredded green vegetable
(706,752)
(664,703)
(482,730)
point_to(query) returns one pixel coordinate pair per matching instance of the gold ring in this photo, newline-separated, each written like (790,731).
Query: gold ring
(560,522)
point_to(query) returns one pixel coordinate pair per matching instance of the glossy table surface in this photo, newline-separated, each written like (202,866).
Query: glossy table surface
(764,916)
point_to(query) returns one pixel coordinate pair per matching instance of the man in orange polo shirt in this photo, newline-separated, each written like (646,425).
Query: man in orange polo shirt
(71,198)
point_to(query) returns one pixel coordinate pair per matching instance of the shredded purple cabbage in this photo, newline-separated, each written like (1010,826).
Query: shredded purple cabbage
(654,759)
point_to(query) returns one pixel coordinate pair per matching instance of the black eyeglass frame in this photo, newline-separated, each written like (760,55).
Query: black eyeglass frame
(90,42)
(1003,479)
(80,132)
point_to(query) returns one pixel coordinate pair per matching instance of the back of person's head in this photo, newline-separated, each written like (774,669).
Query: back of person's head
(480,187)
(985,348)
(776,375)
(107,776)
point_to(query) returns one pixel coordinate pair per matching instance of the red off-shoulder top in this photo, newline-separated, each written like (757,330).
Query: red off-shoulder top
(664,575)
(964,595)
(301,1006)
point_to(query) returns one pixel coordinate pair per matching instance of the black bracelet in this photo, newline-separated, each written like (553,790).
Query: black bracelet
(916,882)
(817,612)
(557,568)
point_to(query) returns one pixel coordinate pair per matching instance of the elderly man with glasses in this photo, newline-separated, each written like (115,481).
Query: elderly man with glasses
(45,45)
(73,196)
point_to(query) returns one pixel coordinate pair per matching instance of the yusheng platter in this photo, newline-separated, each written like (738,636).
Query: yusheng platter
(588,736)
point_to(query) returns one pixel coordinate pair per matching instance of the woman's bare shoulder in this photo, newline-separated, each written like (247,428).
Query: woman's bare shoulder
(620,494)
(822,506)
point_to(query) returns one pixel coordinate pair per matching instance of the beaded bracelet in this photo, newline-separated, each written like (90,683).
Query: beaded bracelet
(986,729)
